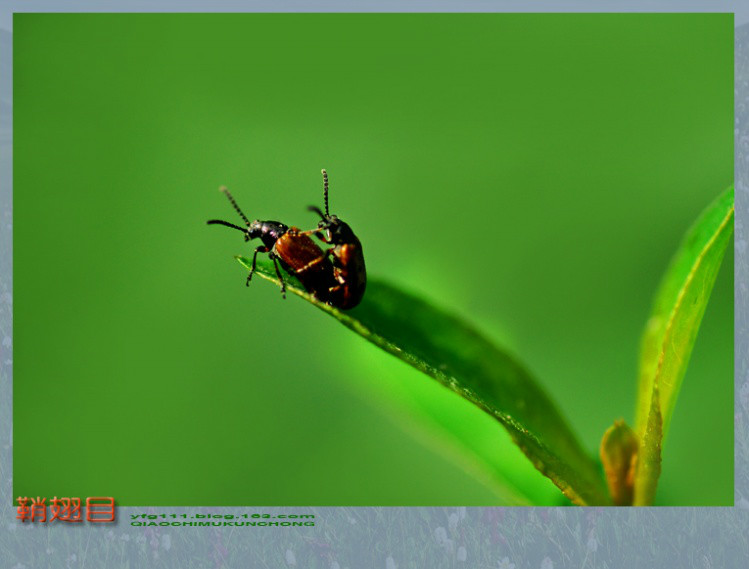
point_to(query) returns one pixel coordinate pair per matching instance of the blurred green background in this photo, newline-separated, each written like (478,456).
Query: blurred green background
(533,173)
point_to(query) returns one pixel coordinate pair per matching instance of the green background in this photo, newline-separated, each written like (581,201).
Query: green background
(534,173)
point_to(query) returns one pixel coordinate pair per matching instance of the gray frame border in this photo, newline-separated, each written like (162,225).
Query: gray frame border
(392,537)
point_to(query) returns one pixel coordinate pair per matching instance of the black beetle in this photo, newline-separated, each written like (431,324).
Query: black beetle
(348,259)
(296,251)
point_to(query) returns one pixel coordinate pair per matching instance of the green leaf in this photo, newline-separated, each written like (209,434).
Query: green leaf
(456,355)
(671,331)
(648,467)
(452,427)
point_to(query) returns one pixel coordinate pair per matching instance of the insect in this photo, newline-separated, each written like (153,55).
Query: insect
(298,253)
(349,270)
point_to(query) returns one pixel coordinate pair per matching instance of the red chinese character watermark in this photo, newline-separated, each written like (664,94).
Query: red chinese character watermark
(66,509)
(23,512)
(99,509)
(39,509)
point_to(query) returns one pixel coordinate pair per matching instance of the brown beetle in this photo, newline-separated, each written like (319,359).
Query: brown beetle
(349,269)
(298,253)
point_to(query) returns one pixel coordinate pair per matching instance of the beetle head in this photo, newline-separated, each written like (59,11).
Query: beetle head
(331,229)
(268,231)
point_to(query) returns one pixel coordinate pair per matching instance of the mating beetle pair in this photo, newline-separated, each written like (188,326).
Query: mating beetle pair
(339,282)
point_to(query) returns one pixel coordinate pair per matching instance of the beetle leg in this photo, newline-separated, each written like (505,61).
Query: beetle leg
(278,273)
(316,232)
(261,249)
(314,262)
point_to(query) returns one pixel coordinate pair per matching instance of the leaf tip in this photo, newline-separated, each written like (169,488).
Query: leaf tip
(619,447)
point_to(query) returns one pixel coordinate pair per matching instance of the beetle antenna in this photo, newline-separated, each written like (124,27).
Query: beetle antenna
(325,189)
(234,203)
(221,222)
(316,210)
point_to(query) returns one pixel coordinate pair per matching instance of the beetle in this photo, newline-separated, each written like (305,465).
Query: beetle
(349,269)
(298,253)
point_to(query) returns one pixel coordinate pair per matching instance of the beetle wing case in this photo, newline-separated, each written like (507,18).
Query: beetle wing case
(351,272)
(307,262)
